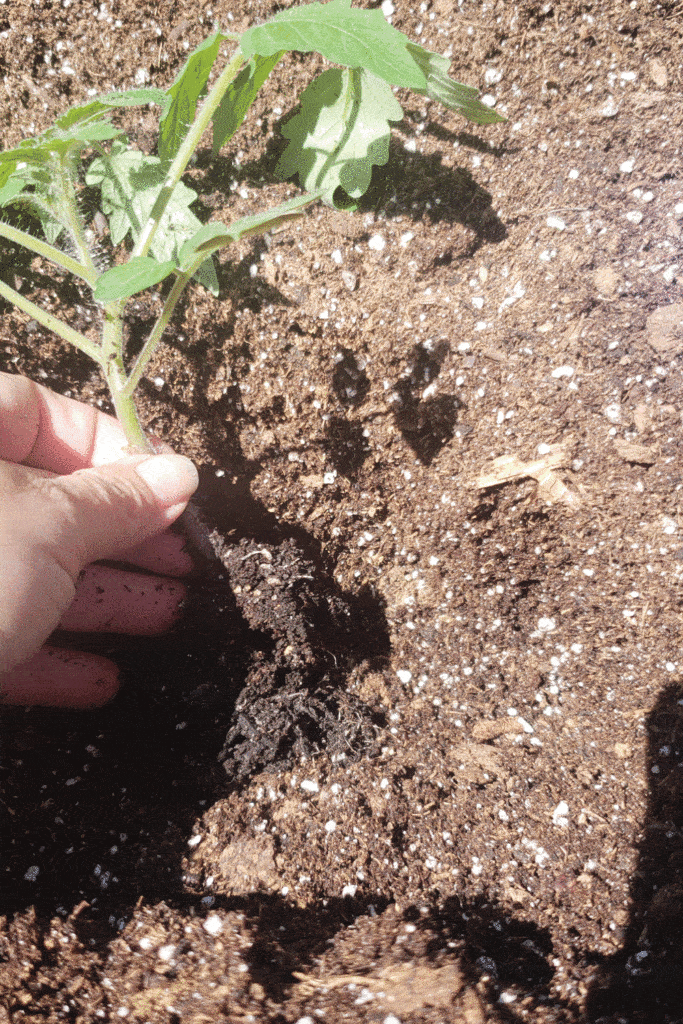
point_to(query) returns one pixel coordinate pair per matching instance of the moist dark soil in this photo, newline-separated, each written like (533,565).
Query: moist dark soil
(415,752)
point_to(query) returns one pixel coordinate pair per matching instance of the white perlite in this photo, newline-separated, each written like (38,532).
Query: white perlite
(561,814)
(213,925)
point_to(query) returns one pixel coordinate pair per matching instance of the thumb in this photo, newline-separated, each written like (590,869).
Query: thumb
(111,508)
(51,527)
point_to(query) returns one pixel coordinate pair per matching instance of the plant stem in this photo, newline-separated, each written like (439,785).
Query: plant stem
(114,371)
(154,338)
(51,322)
(50,252)
(69,209)
(184,154)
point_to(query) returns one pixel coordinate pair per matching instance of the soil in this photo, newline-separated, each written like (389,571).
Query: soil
(416,751)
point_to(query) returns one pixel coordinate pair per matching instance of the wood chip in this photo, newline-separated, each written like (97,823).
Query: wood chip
(664,329)
(632,452)
(484,730)
(658,73)
(551,486)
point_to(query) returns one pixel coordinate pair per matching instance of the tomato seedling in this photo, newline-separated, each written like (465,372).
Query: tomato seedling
(341,130)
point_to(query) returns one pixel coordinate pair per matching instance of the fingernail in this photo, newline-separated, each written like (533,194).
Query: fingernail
(173,478)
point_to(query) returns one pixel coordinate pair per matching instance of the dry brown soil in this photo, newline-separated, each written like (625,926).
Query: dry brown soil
(422,760)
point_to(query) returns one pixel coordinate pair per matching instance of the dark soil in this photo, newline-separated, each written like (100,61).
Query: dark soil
(416,751)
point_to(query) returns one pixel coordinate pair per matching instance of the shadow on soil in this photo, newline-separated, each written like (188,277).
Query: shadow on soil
(643,983)
(412,183)
(99,806)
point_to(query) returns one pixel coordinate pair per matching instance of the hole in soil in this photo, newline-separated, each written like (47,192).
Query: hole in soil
(260,671)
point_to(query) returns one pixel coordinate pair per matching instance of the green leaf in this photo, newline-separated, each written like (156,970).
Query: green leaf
(239,97)
(77,115)
(130,278)
(184,94)
(135,98)
(345,35)
(208,232)
(96,131)
(61,141)
(10,190)
(454,95)
(206,275)
(102,104)
(49,222)
(340,132)
(129,184)
(259,223)
(214,236)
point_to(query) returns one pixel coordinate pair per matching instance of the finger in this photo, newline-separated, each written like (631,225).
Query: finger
(102,512)
(57,678)
(48,431)
(166,554)
(54,526)
(115,601)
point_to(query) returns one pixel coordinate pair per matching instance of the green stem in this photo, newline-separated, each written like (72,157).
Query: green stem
(184,154)
(51,322)
(50,252)
(69,209)
(115,375)
(154,338)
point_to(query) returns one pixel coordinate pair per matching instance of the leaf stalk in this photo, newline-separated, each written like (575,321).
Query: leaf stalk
(51,323)
(184,154)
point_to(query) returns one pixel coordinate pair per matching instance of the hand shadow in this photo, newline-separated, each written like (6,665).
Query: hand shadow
(643,982)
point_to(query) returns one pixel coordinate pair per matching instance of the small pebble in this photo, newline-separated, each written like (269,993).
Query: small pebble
(377,243)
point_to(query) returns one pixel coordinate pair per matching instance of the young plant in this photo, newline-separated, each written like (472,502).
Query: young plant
(341,130)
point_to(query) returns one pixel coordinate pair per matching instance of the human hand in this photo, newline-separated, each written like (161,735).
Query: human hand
(69,497)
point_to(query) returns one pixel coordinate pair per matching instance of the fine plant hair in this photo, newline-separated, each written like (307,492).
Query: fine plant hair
(340,131)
